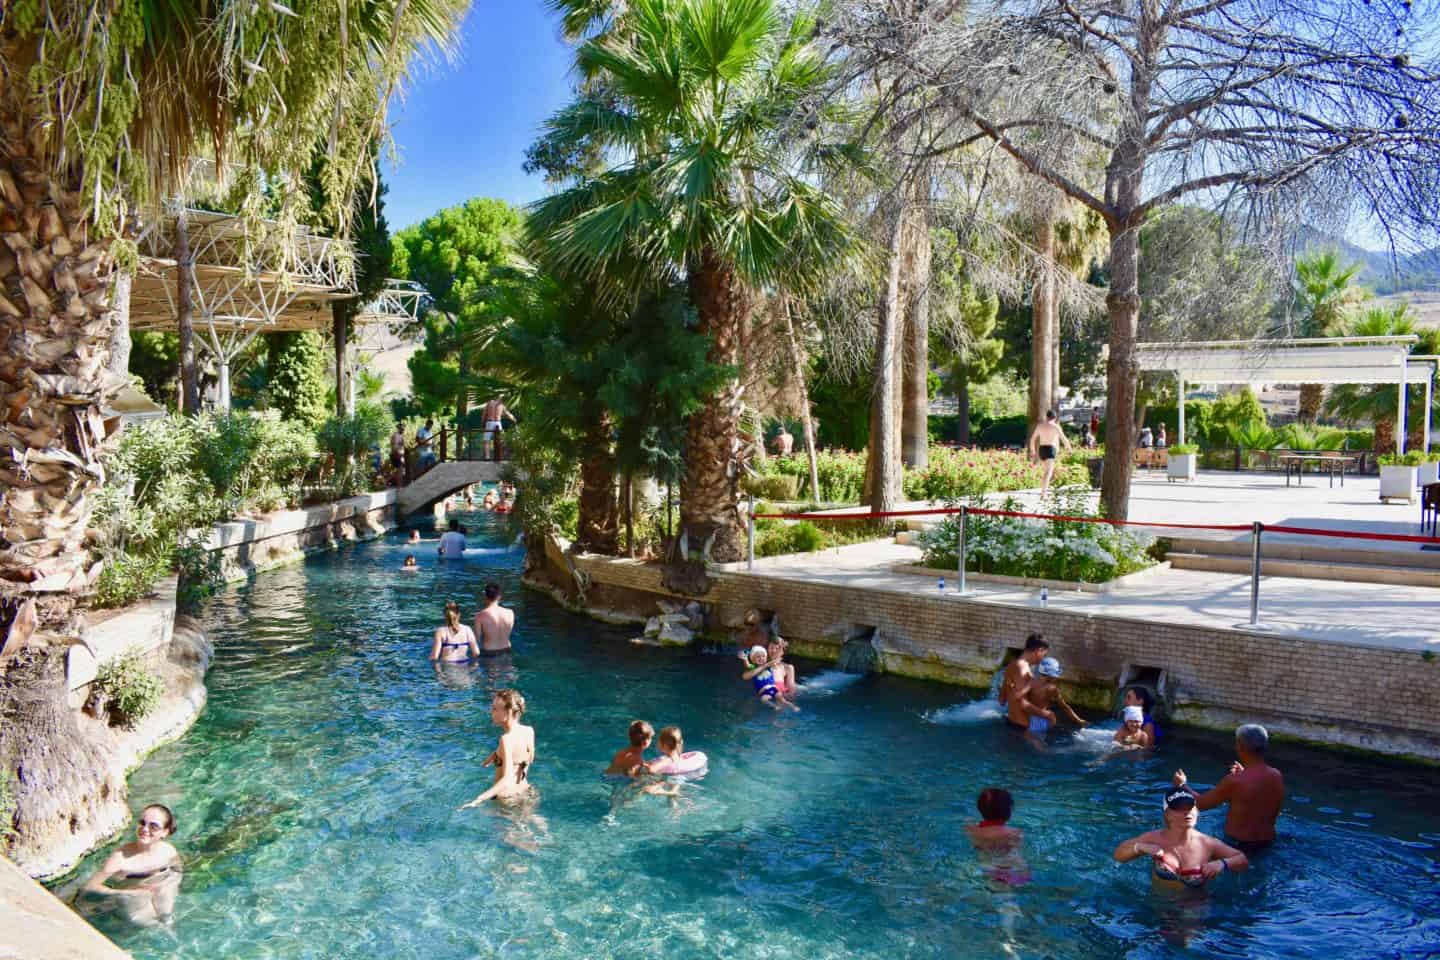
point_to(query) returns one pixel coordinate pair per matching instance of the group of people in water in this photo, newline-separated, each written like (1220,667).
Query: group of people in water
(142,877)
(1253,792)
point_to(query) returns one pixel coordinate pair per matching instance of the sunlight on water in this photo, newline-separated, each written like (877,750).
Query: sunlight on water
(317,805)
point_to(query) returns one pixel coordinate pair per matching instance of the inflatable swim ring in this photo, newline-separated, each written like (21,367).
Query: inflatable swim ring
(691,765)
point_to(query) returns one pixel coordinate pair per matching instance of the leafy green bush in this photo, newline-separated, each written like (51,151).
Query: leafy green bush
(1012,431)
(1234,411)
(348,439)
(1410,458)
(1048,549)
(773,486)
(1253,436)
(956,473)
(775,537)
(1183,449)
(130,689)
(841,474)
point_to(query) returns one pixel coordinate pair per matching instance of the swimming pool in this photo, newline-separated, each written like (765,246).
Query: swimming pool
(317,804)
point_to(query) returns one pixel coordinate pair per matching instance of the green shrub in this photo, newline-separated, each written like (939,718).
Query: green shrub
(1011,431)
(130,689)
(953,474)
(348,440)
(1042,549)
(773,486)
(1183,449)
(841,474)
(805,537)
(127,577)
(1410,458)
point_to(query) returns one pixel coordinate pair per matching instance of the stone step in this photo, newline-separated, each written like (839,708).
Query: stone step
(1309,569)
(1315,551)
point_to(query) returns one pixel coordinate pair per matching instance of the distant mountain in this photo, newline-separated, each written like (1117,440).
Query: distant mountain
(1415,271)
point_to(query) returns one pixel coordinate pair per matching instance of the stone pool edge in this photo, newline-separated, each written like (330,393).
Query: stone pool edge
(1314,691)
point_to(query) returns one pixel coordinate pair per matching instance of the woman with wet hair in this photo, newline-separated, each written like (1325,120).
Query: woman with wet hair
(141,879)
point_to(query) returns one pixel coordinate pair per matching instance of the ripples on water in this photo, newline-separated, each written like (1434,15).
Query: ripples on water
(317,799)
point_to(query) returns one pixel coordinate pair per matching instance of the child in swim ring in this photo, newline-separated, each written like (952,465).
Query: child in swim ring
(1132,734)
(627,762)
(764,675)
(673,762)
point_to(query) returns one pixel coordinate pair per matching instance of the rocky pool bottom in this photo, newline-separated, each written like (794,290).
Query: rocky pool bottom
(317,805)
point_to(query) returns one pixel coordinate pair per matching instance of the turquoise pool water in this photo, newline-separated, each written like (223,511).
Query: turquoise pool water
(317,804)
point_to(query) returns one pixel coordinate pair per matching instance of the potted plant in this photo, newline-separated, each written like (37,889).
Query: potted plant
(1398,474)
(1429,471)
(1182,460)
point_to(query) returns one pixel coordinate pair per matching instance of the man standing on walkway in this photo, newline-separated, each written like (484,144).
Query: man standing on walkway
(493,623)
(1019,674)
(425,442)
(397,453)
(1046,442)
(493,415)
(1254,790)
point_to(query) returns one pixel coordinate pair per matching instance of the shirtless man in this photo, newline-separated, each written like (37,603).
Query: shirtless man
(493,416)
(784,443)
(1019,674)
(397,452)
(1046,442)
(494,623)
(1254,789)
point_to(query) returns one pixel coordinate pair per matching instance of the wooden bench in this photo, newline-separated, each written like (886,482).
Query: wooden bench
(1151,458)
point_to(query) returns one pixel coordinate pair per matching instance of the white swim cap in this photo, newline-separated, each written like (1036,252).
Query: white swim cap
(1135,713)
(758,651)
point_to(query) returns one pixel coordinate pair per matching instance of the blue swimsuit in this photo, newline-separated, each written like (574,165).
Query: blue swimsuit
(765,684)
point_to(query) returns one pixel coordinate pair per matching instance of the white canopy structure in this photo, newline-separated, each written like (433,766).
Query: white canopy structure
(1325,360)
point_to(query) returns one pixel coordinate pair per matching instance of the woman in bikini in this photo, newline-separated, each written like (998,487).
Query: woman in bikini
(1182,857)
(514,754)
(454,642)
(141,879)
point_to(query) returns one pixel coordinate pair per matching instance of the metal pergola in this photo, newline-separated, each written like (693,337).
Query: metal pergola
(247,281)
(1327,360)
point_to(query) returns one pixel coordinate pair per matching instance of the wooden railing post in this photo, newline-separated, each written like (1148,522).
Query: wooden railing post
(444,445)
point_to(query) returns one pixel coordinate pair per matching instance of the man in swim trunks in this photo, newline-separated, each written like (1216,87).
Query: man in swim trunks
(1046,442)
(494,623)
(1254,790)
(397,453)
(1019,674)
(493,415)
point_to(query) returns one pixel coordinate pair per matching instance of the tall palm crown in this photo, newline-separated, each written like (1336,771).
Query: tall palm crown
(1325,292)
(1373,403)
(711,110)
(103,106)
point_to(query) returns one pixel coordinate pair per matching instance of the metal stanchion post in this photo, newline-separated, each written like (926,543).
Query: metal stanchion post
(750,526)
(961,588)
(1255,531)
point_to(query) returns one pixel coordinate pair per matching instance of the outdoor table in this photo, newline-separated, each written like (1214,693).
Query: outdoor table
(1297,461)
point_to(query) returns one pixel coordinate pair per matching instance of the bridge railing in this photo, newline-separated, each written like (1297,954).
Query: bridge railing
(451,444)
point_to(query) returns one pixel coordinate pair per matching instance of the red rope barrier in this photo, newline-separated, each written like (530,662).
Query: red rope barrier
(1353,534)
(1224,527)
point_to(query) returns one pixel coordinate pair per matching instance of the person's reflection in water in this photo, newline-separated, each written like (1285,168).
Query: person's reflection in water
(457,675)
(141,880)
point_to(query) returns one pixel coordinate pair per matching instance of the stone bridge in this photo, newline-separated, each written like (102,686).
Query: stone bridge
(444,479)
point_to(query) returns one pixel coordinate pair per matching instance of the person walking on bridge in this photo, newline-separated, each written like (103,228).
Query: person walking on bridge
(492,415)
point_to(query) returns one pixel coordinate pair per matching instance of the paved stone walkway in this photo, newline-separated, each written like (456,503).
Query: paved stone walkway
(1367,614)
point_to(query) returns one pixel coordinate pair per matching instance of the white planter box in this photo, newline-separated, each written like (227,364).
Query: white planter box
(1398,483)
(1428,473)
(1181,466)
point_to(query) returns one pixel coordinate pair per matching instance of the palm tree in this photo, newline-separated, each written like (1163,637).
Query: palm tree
(1374,403)
(104,108)
(1324,296)
(709,121)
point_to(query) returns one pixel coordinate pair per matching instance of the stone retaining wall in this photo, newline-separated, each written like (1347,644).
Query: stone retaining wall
(1218,676)
(250,546)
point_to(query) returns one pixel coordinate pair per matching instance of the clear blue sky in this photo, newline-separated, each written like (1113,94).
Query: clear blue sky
(463,127)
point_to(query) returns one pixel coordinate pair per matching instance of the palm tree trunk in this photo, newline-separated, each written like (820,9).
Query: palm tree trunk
(1042,296)
(1311,396)
(1054,350)
(915,420)
(185,316)
(797,360)
(1384,436)
(596,529)
(708,491)
(884,462)
(55,323)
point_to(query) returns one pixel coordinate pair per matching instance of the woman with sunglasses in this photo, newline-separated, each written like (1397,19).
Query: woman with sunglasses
(141,879)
